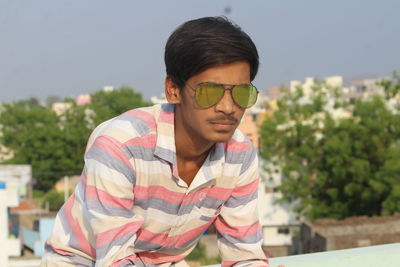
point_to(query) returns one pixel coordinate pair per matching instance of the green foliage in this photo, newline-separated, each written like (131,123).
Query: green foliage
(37,194)
(336,167)
(32,132)
(198,254)
(108,104)
(55,200)
(54,144)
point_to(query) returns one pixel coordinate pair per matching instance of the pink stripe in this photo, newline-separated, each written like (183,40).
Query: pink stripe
(219,192)
(192,234)
(231,263)
(93,192)
(196,196)
(112,147)
(215,192)
(235,146)
(165,240)
(237,231)
(175,171)
(156,238)
(161,192)
(166,117)
(246,189)
(57,250)
(147,141)
(148,118)
(157,257)
(228,263)
(121,262)
(107,236)
(83,243)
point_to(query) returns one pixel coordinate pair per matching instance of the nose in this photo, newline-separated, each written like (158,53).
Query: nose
(226,105)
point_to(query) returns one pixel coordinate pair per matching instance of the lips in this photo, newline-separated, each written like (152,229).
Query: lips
(225,126)
(223,122)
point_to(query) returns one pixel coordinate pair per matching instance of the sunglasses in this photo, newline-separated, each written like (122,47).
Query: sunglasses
(209,94)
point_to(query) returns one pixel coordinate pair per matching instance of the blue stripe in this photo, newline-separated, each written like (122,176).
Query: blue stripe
(111,162)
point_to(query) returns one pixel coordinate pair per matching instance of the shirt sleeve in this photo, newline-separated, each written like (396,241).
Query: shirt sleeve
(97,226)
(238,228)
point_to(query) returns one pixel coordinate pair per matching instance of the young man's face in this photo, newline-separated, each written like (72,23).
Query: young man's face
(216,123)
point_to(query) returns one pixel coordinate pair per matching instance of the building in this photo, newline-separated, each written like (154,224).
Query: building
(310,84)
(11,246)
(278,221)
(67,183)
(158,99)
(330,234)
(274,92)
(5,153)
(250,129)
(366,88)
(83,99)
(18,177)
(60,107)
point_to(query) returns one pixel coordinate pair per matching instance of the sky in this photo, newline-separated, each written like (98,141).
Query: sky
(66,48)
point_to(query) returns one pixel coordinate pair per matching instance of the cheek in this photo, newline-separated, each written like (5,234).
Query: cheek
(240,114)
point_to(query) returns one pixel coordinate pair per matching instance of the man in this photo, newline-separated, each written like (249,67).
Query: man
(156,178)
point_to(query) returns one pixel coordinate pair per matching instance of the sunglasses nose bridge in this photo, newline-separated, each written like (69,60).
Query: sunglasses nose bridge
(226,103)
(228,88)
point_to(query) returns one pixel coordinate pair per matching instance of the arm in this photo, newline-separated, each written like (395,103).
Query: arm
(97,222)
(109,202)
(239,231)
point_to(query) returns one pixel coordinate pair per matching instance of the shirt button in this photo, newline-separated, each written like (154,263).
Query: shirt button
(202,196)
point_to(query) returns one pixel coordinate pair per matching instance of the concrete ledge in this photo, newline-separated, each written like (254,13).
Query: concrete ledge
(24,263)
(373,256)
(14,247)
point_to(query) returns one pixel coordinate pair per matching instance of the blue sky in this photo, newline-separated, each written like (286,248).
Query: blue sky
(65,48)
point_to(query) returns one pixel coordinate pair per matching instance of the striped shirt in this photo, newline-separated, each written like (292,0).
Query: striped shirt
(130,207)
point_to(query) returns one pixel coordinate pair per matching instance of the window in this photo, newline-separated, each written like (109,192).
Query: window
(283,230)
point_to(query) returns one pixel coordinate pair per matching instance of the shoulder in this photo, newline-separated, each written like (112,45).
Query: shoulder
(129,125)
(239,143)
(239,149)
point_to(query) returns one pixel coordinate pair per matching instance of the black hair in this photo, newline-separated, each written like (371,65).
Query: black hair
(207,42)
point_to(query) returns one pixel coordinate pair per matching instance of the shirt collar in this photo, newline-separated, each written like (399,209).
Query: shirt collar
(166,149)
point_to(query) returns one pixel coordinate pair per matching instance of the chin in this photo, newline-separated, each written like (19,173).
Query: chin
(221,137)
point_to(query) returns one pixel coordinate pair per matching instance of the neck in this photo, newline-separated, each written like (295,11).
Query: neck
(189,146)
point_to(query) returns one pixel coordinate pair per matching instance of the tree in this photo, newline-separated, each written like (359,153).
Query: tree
(336,166)
(76,124)
(33,134)
(108,104)
(54,144)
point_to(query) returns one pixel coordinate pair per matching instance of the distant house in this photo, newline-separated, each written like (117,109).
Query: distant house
(10,246)
(24,215)
(18,177)
(83,99)
(330,234)
(70,184)
(278,221)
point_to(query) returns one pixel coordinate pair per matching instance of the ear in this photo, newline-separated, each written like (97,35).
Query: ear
(172,91)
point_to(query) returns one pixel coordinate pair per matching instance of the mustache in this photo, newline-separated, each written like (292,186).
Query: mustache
(223,118)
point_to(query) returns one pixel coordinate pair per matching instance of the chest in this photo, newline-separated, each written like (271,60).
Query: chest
(176,218)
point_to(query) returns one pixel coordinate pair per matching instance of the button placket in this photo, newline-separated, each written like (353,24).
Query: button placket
(177,222)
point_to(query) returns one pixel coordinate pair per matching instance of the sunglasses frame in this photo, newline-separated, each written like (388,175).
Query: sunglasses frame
(229,87)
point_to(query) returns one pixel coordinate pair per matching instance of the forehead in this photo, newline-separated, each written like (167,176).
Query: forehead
(233,73)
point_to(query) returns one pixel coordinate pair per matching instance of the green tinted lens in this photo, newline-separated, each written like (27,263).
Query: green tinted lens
(244,95)
(208,94)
